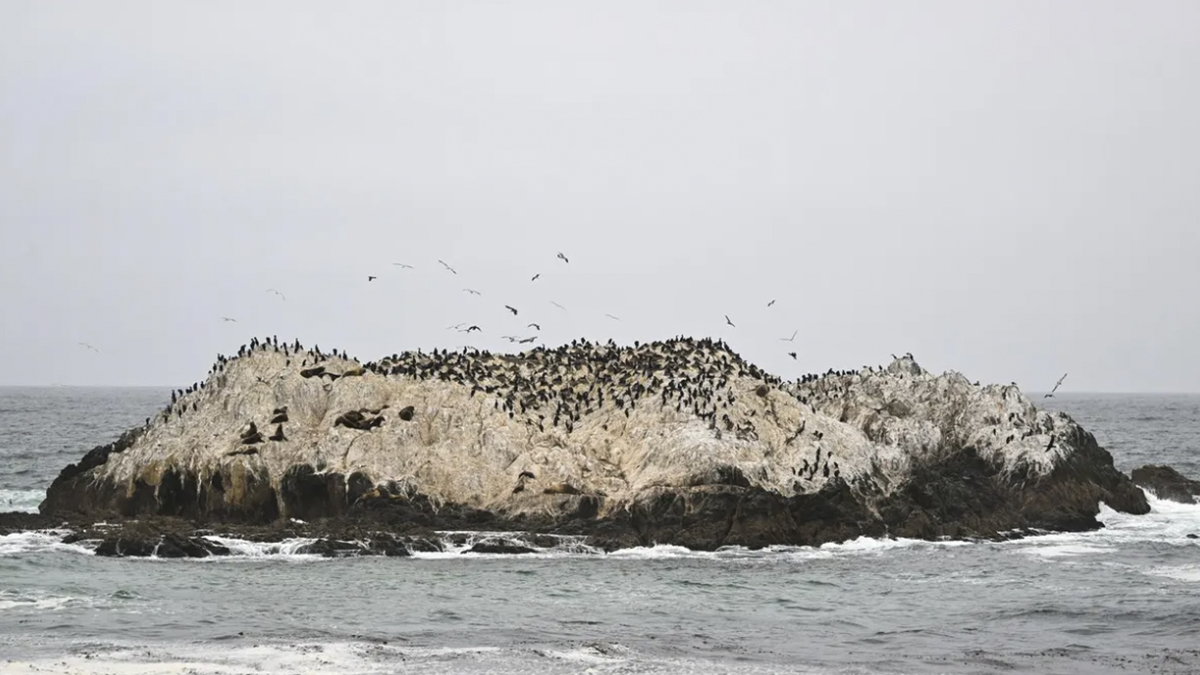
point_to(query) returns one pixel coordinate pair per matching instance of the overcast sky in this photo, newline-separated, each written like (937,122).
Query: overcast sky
(1007,189)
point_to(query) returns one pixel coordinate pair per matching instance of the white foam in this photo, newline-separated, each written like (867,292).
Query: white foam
(1190,573)
(36,600)
(288,548)
(22,543)
(22,501)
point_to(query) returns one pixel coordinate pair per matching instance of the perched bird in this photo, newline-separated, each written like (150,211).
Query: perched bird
(534,326)
(535,277)
(371,278)
(443,262)
(1056,386)
(563,257)
(272,290)
(791,338)
(511,309)
(84,344)
(728,321)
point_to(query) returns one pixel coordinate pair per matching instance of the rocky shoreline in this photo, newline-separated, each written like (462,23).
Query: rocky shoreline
(604,447)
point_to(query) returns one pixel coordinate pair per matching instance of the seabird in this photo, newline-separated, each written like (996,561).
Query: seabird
(402,265)
(471,328)
(728,321)
(225,318)
(558,305)
(535,277)
(90,347)
(534,326)
(272,290)
(770,303)
(791,338)
(527,340)
(563,257)
(793,355)
(371,278)
(1056,386)
(511,309)
(612,317)
(472,291)
(443,262)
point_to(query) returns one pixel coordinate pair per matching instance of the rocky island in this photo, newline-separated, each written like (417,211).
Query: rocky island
(674,442)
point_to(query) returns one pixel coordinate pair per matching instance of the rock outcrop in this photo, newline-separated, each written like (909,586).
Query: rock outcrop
(678,442)
(1167,483)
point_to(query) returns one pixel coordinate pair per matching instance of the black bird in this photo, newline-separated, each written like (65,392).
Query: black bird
(443,262)
(371,278)
(471,328)
(793,355)
(1056,386)
(612,317)
(511,309)
(770,303)
(534,326)
(563,257)
(225,318)
(728,321)
(535,277)
(791,338)
(527,340)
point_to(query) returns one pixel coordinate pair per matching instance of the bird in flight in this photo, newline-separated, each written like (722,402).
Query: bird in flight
(535,277)
(371,278)
(791,338)
(225,318)
(510,338)
(770,303)
(728,321)
(558,305)
(471,328)
(612,317)
(457,326)
(793,355)
(562,257)
(511,309)
(472,291)
(443,262)
(527,340)
(272,290)
(84,344)
(534,326)
(403,266)
(1056,386)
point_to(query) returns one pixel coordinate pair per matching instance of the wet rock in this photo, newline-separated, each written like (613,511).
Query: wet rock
(504,547)
(331,548)
(1166,483)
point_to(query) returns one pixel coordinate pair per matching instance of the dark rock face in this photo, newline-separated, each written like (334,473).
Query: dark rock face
(1167,483)
(504,547)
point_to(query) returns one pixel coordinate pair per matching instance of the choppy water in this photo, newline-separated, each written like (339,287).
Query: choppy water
(1122,599)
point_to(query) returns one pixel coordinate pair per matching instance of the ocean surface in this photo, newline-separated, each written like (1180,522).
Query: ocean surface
(1124,599)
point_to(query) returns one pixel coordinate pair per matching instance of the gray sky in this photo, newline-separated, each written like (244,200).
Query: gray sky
(1007,189)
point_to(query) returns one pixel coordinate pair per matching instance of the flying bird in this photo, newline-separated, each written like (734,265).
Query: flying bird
(225,318)
(471,328)
(510,338)
(612,317)
(443,262)
(403,266)
(558,305)
(728,321)
(84,344)
(793,355)
(511,309)
(272,290)
(472,291)
(563,257)
(534,326)
(791,338)
(535,277)
(770,303)
(527,340)
(371,278)
(1056,386)
(457,326)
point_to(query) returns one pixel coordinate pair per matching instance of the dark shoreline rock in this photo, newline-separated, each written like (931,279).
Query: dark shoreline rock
(1166,483)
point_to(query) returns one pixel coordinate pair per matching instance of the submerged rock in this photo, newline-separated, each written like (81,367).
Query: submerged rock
(678,442)
(1167,483)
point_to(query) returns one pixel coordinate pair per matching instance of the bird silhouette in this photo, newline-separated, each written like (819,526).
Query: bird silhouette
(443,262)
(728,321)
(612,317)
(527,340)
(472,291)
(511,309)
(371,278)
(471,328)
(84,344)
(534,326)
(1056,386)
(770,303)
(558,305)
(225,318)
(792,354)
(403,266)
(791,338)
(563,257)
(535,277)
(272,290)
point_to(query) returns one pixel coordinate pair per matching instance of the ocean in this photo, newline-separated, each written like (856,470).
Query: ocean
(1124,599)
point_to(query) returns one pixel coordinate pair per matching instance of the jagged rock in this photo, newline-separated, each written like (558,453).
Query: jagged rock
(500,547)
(331,548)
(1167,483)
(667,442)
